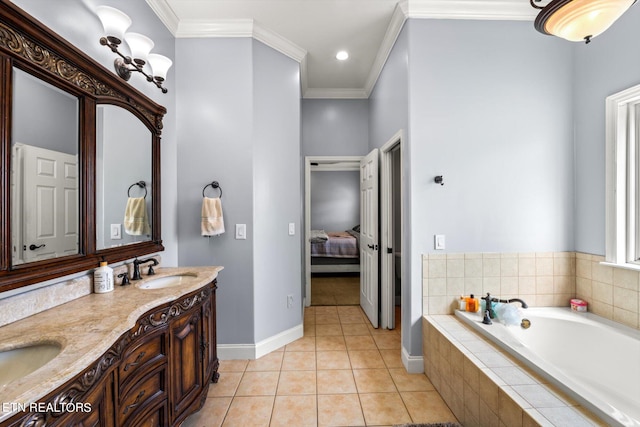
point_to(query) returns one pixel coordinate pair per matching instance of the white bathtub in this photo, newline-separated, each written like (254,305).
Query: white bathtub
(594,360)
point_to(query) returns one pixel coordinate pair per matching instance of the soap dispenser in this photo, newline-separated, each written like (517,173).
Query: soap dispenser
(103,279)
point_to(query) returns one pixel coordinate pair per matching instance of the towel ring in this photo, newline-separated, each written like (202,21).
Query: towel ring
(140,184)
(214,184)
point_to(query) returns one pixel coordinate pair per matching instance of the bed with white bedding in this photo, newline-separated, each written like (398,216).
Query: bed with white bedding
(335,251)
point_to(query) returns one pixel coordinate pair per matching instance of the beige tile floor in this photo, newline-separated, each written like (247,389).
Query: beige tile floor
(342,372)
(328,289)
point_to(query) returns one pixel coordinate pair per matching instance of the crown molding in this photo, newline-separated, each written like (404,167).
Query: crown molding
(214,29)
(472,9)
(400,15)
(166,14)
(279,43)
(240,28)
(416,9)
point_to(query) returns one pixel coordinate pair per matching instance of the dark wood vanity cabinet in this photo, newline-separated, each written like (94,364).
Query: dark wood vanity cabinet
(186,349)
(155,375)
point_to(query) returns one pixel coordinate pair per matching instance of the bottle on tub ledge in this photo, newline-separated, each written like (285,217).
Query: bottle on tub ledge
(103,279)
(469,303)
(472,304)
(578,305)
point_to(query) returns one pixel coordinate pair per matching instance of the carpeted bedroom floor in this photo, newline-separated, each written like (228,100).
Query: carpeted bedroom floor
(335,290)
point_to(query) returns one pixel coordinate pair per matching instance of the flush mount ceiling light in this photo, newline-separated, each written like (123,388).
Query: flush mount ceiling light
(115,24)
(343,55)
(578,20)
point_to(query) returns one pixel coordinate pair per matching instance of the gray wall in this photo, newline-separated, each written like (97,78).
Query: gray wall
(65,21)
(215,120)
(389,113)
(335,200)
(480,115)
(241,127)
(335,127)
(605,66)
(276,180)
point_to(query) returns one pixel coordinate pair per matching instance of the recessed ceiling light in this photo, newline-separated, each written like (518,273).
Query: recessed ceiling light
(342,55)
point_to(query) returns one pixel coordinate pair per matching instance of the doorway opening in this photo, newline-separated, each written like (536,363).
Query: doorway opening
(391,229)
(332,215)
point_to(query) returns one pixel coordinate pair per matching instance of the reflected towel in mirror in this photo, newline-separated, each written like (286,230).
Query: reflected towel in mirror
(212,221)
(136,221)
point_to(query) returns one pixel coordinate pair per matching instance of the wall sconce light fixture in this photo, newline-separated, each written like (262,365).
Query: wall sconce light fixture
(578,20)
(115,24)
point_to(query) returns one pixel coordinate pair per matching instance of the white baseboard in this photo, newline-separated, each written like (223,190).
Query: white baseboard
(413,364)
(266,346)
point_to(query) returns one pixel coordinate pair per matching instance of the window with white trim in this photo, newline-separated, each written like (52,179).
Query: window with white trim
(623,178)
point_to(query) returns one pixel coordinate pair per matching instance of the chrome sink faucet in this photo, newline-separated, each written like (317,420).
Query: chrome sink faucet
(136,267)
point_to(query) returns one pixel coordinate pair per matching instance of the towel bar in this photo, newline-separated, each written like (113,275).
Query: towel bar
(214,184)
(140,184)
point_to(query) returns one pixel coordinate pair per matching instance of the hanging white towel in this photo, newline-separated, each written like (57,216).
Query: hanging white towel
(212,221)
(136,221)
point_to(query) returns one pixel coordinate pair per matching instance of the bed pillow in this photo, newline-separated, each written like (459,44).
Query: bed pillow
(318,236)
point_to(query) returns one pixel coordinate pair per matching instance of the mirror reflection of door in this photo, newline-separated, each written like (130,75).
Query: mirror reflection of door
(44,170)
(47,184)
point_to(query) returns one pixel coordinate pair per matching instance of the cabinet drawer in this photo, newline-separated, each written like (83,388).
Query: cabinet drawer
(143,393)
(157,416)
(142,356)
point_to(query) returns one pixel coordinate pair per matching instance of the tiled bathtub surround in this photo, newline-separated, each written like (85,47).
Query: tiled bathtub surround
(484,386)
(610,291)
(541,279)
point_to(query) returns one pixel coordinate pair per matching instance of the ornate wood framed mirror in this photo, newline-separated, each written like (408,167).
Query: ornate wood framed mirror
(62,185)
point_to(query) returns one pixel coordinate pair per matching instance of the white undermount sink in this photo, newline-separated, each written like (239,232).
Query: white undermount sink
(20,362)
(167,281)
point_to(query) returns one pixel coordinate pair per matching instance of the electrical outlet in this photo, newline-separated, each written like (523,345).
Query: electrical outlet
(289,301)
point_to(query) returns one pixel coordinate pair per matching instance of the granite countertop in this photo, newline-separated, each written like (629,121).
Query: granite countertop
(85,328)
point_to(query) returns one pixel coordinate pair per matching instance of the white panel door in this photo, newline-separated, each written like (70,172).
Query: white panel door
(50,197)
(369,236)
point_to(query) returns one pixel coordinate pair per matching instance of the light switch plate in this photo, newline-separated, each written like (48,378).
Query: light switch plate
(439,241)
(116,231)
(292,228)
(241,231)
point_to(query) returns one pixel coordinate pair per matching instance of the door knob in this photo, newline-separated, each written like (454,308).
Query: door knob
(34,247)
